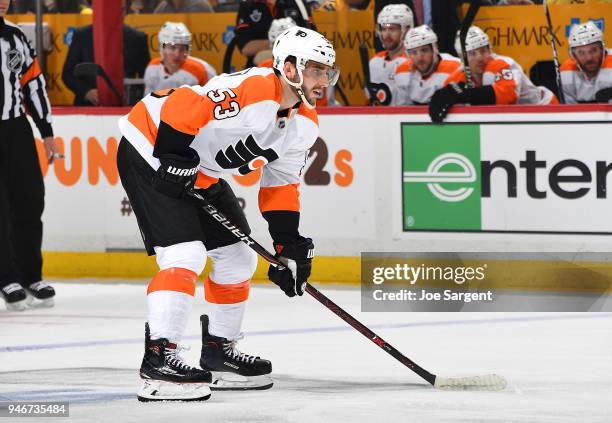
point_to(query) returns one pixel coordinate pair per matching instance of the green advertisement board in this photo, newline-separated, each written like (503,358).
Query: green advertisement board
(441,177)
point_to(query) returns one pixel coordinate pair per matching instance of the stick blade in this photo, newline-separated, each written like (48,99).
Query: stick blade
(490,382)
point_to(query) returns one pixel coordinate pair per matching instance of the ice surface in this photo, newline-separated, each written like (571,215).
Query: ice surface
(88,348)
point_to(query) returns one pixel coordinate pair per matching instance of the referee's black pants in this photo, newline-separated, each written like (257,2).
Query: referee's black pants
(22,193)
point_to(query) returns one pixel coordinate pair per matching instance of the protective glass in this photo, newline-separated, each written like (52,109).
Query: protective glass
(329,75)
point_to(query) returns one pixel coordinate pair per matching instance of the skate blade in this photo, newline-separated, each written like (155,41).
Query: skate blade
(153,390)
(34,302)
(17,306)
(225,381)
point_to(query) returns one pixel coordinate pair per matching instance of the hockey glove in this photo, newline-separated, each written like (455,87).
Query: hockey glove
(603,95)
(444,98)
(176,174)
(297,258)
(380,94)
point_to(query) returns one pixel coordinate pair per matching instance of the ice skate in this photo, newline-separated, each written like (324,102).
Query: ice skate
(166,377)
(231,369)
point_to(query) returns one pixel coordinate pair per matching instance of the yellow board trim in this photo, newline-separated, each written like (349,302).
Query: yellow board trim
(530,275)
(56,264)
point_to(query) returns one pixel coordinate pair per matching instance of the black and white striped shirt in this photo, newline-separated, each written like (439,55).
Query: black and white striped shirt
(21,79)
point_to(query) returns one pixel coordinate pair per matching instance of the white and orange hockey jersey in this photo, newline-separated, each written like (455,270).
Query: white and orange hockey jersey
(233,124)
(382,70)
(412,88)
(194,71)
(509,82)
(577,88)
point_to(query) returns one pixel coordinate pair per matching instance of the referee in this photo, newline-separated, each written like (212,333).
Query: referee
(22,86)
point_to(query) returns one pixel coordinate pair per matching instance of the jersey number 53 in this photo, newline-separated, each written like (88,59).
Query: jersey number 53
(218,96)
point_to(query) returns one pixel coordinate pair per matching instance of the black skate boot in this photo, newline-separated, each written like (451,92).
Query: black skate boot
(15,297)
(166,377)
(232,370)
(40,294)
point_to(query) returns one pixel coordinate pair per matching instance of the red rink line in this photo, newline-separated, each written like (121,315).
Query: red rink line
(364,110)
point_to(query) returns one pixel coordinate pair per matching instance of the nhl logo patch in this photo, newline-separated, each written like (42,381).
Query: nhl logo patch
(255,15)
(14,60)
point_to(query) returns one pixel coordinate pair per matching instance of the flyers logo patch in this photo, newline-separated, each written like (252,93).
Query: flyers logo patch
(246,156)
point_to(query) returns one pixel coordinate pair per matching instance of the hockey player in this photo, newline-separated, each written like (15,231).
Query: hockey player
(426,70)
(178,138)
(175,66)
(497,80)
(393,22)
(586,76)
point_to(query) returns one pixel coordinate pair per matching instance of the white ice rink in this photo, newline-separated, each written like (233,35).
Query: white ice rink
(87,351)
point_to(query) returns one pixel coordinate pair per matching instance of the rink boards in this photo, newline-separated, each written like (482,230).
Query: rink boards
(518,178)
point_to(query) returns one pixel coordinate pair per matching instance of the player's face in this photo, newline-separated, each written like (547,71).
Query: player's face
(175,53)
(317,77)
(478,59)
(4,5)
(422,57)
(589,57)
(391,35)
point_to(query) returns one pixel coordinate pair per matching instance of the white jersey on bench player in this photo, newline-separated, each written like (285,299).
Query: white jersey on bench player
(586,76)
(175,66)
(426,69)
(392,24)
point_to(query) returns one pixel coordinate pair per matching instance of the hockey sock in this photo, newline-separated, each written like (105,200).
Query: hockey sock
(169,299)
(225,304)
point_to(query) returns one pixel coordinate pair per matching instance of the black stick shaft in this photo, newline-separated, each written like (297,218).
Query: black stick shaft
(553,44)
(315,293)
(465,26)
(368,333)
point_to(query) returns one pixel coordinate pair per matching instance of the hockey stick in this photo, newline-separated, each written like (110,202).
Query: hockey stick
(338,87)
(491,382)
(555,56)
(365,66)
(465,27)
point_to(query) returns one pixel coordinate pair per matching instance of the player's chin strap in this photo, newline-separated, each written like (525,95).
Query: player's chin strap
(297,86)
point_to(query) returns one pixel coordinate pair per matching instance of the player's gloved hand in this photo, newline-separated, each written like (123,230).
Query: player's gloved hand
(297,258)
(603,95)
(380,94)
(444,98)
(176,174)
